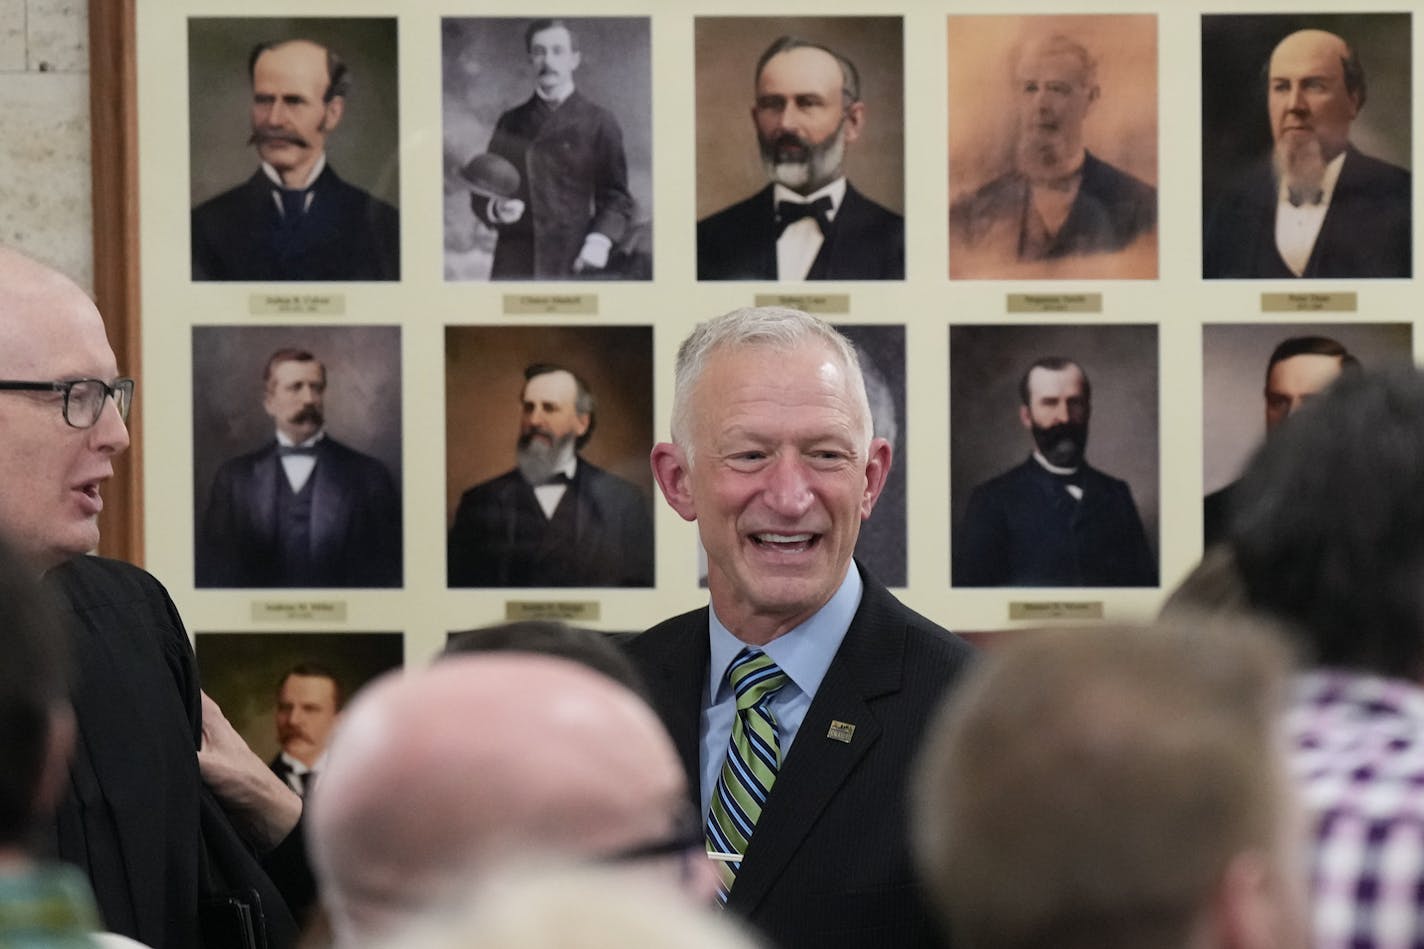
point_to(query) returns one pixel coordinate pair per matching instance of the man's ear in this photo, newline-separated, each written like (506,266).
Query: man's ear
(674,477)
(334,110)
(1025,418)
(854,121)
(877,472)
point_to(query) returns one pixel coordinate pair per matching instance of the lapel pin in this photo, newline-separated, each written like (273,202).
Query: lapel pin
(841,731)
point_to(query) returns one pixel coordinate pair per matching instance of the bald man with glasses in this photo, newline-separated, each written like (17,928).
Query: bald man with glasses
(155,835)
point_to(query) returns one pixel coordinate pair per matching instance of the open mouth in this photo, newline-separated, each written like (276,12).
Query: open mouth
(89,498)
(785,543)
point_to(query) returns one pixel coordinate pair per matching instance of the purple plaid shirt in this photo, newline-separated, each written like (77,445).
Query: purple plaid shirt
(1357,755)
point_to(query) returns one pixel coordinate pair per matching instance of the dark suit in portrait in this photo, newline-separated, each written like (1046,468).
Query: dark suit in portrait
(601,534)
(343,529)
(1366,232)
(573,180)
(343,233)
(864,242)
(828,864)
(1023,528)
(1110,211)
(137,817)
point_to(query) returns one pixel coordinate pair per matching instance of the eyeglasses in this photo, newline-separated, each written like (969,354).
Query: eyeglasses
(83,398)
(687,839)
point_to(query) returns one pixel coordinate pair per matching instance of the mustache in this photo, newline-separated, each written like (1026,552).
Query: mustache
(269,136)
(309,413)
(790,146)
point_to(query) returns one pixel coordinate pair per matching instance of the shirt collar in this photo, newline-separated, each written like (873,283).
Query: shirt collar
(301,767)
(1327,183)
(286,442)
(316,171)
(804,653)
(835,191)
(555,101)
(1052,468)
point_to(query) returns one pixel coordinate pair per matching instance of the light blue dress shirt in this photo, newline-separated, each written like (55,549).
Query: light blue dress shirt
(804,654)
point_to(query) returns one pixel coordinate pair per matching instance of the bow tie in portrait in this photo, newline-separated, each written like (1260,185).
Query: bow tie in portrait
(789,212)
(284,451)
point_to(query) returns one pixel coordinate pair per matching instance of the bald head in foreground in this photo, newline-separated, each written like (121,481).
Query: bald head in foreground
(1115,789)
(1318,206)
(437,776)
(63,406)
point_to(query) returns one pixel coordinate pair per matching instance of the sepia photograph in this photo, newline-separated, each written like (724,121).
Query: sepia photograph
(1031,506)
(1052,147)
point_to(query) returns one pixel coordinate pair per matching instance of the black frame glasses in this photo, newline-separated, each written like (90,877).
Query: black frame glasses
(92,394)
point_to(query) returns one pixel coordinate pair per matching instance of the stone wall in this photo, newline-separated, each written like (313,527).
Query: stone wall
(44,145)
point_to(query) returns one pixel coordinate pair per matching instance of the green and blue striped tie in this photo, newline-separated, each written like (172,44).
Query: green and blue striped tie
(753,756)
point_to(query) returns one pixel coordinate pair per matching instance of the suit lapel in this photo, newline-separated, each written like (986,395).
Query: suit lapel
(264,500)
(829,258)
(677,676)
(867,666)
(328,506)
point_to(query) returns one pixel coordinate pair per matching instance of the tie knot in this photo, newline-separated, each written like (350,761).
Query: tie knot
(789,212)
(754,676)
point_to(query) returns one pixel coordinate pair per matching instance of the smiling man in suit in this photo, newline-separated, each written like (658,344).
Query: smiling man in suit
(797,700)
(809,223)
(303,510)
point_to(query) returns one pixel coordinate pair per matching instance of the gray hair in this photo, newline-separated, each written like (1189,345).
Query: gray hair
(771,327)
(1057,43)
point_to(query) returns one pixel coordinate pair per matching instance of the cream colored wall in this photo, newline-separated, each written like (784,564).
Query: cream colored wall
(44,148)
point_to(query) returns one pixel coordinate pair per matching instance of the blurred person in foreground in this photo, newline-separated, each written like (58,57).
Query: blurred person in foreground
(510,758)
(1328,535)
(1115,789)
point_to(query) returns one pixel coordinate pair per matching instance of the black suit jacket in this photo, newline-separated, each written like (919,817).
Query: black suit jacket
(865,242)
(601,534)
(1022,528)
(345,235)
(355,521)
(828,865)
(1365,233)
(137,817)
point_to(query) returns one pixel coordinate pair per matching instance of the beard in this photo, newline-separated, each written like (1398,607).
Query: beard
(792,161)
(1299,163)
(1063,444)
(539,453)
(1044,154)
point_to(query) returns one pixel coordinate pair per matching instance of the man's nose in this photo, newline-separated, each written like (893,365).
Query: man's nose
(1296,101)
(788,490)
(109,434)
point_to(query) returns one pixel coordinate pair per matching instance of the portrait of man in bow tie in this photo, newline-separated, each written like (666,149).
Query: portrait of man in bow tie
(1052,519)
(302,509)
(811,114)
(557,518)
(1318,189)
(295,217)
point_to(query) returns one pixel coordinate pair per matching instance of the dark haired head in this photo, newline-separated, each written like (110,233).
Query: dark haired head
(338,76)
(1311,346)
(288,354)
(850,76)
(1328,524)
(319,671)
(539,26)
(1054,364)
(587,647)
(34,689)
(583,401)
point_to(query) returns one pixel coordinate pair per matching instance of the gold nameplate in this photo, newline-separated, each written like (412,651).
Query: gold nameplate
(289,611)
(807,302)
(1309,302)
(1055,303)
(1089,609)
(575,304)
(299,304)
(841,731)
(568,611)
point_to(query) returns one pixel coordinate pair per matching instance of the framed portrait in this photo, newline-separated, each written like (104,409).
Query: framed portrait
(297,456)
(1053,455)
(294,148)
(1052,147)
(547,148)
